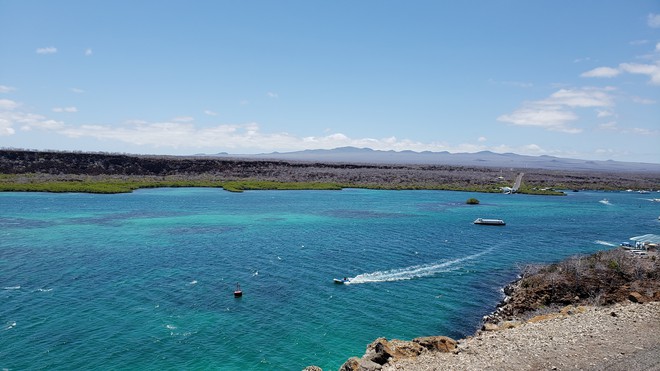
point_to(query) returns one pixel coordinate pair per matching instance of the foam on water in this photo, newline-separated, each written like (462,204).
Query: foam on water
(604,243)
(415,271)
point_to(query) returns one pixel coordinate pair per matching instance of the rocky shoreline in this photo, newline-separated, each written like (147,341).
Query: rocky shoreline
(586,313)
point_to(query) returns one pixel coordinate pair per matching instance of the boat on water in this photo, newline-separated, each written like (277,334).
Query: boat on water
(342,281)
(605,201)
(626,245)
(489,221)
(238,292)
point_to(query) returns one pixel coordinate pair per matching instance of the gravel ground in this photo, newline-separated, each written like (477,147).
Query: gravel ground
(619,337)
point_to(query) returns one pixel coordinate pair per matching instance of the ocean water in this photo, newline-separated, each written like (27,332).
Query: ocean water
(145,280)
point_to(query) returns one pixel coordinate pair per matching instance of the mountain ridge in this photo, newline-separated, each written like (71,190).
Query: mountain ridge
(482,158)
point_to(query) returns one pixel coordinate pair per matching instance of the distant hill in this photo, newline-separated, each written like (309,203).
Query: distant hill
(480,159)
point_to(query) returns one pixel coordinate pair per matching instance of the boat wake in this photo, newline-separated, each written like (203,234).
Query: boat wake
(604,243)
(415,271)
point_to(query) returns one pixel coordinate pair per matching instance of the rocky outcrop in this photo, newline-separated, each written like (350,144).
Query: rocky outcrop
(382,352)
(636,297)
(437,343)
(604,278)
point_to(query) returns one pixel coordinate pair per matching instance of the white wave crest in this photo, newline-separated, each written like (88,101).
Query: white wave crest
(604,243)
(12,288)
(415,271)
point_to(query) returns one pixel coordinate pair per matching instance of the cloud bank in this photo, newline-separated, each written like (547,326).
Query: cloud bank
(184,135)
(556,112)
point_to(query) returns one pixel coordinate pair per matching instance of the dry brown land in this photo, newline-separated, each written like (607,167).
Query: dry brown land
(620,337)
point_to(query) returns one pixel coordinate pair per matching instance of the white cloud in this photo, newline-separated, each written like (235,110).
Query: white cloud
(65,109)
(611,125)
(580,60)
(614,127)
(7,104)
(88,52)
(638,42)
(242,138)
(555,112)
(604,113)
(584,97)
(6,89)
(657,47)
(183,119)
(11,117)
(47,50)
(77,90)
(272,95)
(210,113)
(652,70)
(653,20)
(5,129)
(481,139)
(641,100)
(644,131)
(601,72)
(549,118)
(533,149)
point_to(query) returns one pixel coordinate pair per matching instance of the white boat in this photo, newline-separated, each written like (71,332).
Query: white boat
(342,281)
(489,221)
(605,201)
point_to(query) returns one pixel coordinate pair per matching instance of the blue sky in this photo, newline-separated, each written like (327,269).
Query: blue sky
(564,78)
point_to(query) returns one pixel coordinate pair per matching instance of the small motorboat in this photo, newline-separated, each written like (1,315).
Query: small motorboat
(342,281)
(238,292)
(483,221)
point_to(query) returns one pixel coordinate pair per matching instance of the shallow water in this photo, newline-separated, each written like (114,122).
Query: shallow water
(145,280)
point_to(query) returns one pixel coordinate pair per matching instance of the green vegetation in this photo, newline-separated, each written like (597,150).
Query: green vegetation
(472,201)
(34,183)
(126,184)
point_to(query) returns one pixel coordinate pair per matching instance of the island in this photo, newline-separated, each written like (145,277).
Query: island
(55,171)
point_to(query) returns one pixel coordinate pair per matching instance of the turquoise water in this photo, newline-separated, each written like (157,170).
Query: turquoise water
(145,280)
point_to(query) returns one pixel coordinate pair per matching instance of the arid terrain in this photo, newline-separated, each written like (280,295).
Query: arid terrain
(44,166)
